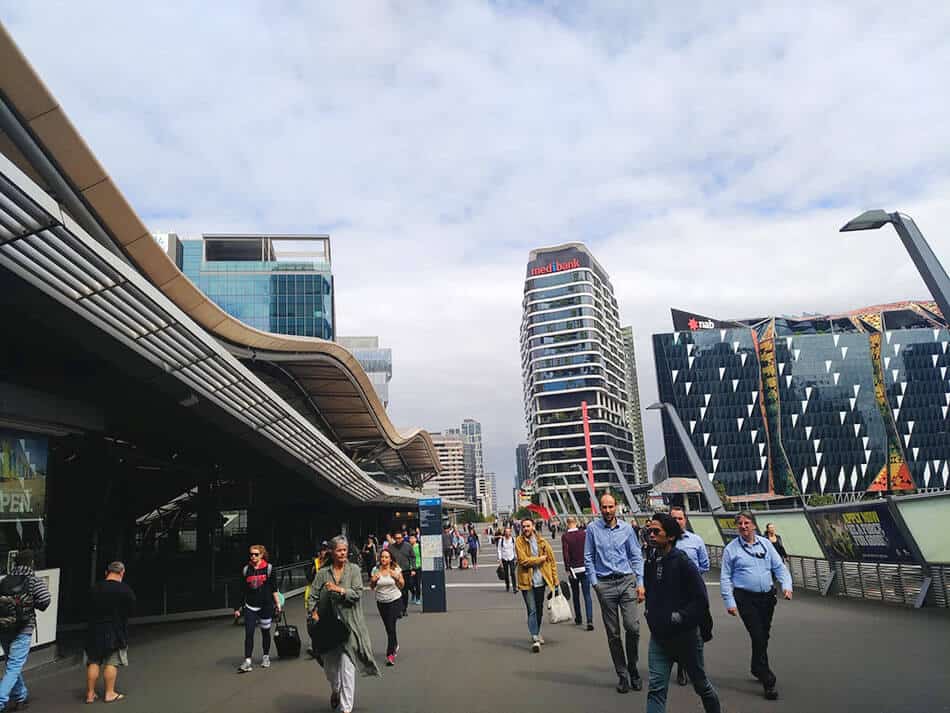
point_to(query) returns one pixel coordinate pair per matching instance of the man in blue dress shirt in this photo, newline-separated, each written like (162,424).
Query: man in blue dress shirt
(694,547)
(614,565)
(748,564)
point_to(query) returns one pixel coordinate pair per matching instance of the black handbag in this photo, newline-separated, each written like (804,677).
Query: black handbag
(500,572)
(328,632)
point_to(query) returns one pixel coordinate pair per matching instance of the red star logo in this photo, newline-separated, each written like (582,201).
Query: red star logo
(693,324)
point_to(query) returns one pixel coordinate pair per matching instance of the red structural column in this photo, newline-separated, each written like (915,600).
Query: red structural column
(590,459)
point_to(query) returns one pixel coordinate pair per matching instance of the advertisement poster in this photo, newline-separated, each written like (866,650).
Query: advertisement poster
(22,476)
(862,533)
(727,527)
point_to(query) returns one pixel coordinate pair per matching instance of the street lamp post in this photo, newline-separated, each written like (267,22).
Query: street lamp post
(929,267)
(695,463)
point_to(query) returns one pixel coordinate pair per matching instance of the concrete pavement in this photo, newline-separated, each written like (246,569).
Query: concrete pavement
(829,654)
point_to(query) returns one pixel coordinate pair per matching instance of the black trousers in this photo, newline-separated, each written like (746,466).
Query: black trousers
(404,599)
(474,555)
(509,568)
(756,610)
(447,556)
(413,583)
(389,611)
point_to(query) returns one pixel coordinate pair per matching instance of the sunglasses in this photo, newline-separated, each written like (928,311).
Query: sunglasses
(255,554)
(655,531)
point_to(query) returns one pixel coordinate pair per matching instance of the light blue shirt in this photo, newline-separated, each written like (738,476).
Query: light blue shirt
(613,550)
(537,579)
(694,547)
(743,569)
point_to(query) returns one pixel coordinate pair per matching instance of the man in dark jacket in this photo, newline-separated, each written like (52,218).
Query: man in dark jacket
(405,557)
(572,546)
(16,631)
(676,606)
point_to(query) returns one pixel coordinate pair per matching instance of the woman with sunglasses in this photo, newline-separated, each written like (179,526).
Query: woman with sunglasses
(676,606)
(748,565)
(261,603)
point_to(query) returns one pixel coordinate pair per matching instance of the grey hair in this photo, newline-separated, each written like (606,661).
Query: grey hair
(339,540)
(115,567)
(748,515)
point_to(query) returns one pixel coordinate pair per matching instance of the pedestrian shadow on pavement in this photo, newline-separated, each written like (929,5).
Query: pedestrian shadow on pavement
(301,703)
(521,644)
(564,677)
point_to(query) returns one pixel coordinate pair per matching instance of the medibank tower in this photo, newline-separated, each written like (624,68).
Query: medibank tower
(572,362)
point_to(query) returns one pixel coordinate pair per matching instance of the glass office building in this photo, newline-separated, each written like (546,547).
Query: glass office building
(376,361)
(572,353)
(829,404)
(275,283)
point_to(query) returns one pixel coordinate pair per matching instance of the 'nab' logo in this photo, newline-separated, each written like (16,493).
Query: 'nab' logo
(695,324)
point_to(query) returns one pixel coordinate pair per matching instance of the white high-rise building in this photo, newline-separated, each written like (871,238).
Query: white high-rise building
(634,415)
(572,353)
(450,483)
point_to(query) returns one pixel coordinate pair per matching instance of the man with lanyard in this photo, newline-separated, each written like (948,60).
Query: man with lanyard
(694,547)
(748,564)
(614,565)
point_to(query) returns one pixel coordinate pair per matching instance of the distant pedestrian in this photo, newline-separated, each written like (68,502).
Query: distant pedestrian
(473,545)
(388,582)
(260,605)
(572,547)
(404,557)
(748,564)
(537,570)
(111,602)
(370,554)
(447,546)
(415,585)
(676,605)
(613,561)
(776,541)
(21,594)
(694,547)
(507,559)
(337,590)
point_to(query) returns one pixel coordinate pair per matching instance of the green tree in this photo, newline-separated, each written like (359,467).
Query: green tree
(522,513)
(721,491)
(816,500)
(469,517)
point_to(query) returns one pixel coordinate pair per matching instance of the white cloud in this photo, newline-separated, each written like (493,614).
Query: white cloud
(707,156)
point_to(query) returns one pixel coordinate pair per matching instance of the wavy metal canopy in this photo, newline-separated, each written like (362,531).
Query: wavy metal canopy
(328,376)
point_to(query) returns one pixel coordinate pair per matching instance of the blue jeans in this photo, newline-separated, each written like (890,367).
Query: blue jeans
(688,650)
(580,582)
(12,684)
(534,603)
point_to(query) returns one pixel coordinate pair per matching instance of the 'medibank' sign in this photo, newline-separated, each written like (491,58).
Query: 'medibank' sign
(555,266)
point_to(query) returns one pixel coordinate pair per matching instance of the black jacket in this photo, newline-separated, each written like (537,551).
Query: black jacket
(674,585)
(403,555)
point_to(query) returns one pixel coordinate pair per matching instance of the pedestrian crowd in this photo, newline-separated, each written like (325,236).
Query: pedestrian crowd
(658,567)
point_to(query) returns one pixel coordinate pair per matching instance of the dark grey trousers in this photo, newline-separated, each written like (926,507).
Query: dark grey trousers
(618,600)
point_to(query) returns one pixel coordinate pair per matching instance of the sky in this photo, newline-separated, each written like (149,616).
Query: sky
(706,153)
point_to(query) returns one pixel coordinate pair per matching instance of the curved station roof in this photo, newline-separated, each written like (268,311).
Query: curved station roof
(66,226)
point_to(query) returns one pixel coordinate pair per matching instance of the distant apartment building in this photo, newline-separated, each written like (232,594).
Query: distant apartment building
(634,414)
(450,483)
(376,361)
(471,435)
(521,464)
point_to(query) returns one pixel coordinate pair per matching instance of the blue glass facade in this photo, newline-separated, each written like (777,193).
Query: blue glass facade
(280,296)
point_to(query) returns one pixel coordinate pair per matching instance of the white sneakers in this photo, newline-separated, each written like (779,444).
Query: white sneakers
(246,667)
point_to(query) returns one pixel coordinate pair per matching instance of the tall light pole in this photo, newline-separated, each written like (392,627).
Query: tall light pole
(929,267)
(695,463)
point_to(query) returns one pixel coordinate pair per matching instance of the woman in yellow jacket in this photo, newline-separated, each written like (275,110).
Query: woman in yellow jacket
(537,570)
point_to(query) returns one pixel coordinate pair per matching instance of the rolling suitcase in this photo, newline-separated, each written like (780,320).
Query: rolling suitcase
(287,639)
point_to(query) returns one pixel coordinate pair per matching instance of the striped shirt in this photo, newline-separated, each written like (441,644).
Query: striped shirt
(40,592)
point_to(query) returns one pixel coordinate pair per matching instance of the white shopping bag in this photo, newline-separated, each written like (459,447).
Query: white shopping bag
(558,608)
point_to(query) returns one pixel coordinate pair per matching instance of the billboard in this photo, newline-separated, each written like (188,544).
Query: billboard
(865,532)
(22,476)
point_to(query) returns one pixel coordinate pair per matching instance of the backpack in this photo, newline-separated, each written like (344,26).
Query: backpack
(16,602)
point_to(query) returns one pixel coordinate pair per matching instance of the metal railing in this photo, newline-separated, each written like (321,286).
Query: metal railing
(890,583)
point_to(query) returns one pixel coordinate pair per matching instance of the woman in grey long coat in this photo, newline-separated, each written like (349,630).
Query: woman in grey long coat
(339,584)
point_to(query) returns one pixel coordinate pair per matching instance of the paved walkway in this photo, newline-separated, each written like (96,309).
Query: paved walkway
(830,655)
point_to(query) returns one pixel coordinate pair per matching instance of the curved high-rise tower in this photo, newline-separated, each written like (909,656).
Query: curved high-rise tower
(572,351)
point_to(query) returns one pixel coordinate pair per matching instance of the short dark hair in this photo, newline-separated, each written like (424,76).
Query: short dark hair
(23,558)
(678,507)
(669,525)
(527,519)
